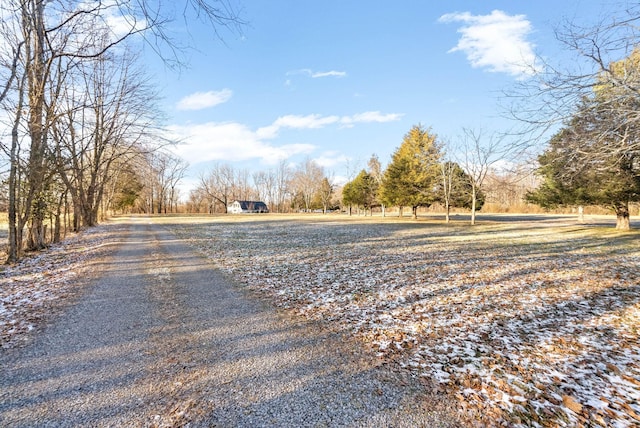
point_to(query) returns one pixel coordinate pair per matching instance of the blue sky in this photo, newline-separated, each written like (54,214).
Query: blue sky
(337,81)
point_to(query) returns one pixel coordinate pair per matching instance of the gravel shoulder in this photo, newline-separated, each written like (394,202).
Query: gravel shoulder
(160,338)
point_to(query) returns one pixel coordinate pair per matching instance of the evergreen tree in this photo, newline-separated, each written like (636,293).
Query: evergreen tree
(361,191)
(411,179)
(595,158)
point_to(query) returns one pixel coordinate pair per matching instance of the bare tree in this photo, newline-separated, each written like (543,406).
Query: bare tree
(42,42)
(243,188)
(265,183)
(16,212)
(506,189)
(163,172)
(447,174)
(37,64)
(219,185)
(479,153)
(283,176)
(595,97)
(556,91)
(306,181)
(198,202)
(176,171)
(114,117)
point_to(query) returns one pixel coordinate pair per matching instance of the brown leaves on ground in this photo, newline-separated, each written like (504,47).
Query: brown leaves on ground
(43,282)
(526,325)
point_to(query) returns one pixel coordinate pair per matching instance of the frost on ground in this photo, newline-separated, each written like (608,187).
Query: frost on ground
(32,289)
(526,325)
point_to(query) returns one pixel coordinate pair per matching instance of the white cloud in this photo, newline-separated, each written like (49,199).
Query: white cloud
(236,142)
(368,117)
(318,74)
(202,100)
(340,180)
(229,142)
(331,73)
(311,121)
(330,159)
(314,121)
(496,42)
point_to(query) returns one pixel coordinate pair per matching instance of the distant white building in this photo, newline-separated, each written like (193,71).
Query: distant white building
(243,207)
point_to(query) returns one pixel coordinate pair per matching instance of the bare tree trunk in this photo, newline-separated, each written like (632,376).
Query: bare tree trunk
(447,170)
(57,226)
(622,216)
(15,224)
(77,217)
(37,239)
(67,216)
(15,236)
(37,72)
(473,204)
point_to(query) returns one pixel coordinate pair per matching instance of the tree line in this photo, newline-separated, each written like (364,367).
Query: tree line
(418,175)
(592,158)
(284,188)
(80,127)
(423,172)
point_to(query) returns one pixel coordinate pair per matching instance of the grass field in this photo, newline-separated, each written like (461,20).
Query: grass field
(526,321)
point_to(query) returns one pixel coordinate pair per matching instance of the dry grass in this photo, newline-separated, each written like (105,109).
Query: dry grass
(44,283)
(528,323)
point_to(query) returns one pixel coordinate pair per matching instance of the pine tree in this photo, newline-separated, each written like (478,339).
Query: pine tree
(411,178)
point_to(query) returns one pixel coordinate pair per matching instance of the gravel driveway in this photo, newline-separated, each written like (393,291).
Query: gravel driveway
(163,339)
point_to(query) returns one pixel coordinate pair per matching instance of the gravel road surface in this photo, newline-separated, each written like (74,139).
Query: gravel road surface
(162,339)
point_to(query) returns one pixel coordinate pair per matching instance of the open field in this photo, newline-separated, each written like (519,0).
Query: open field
(531,321)
(527,320)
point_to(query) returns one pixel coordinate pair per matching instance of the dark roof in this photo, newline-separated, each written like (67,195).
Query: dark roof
(252,205)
